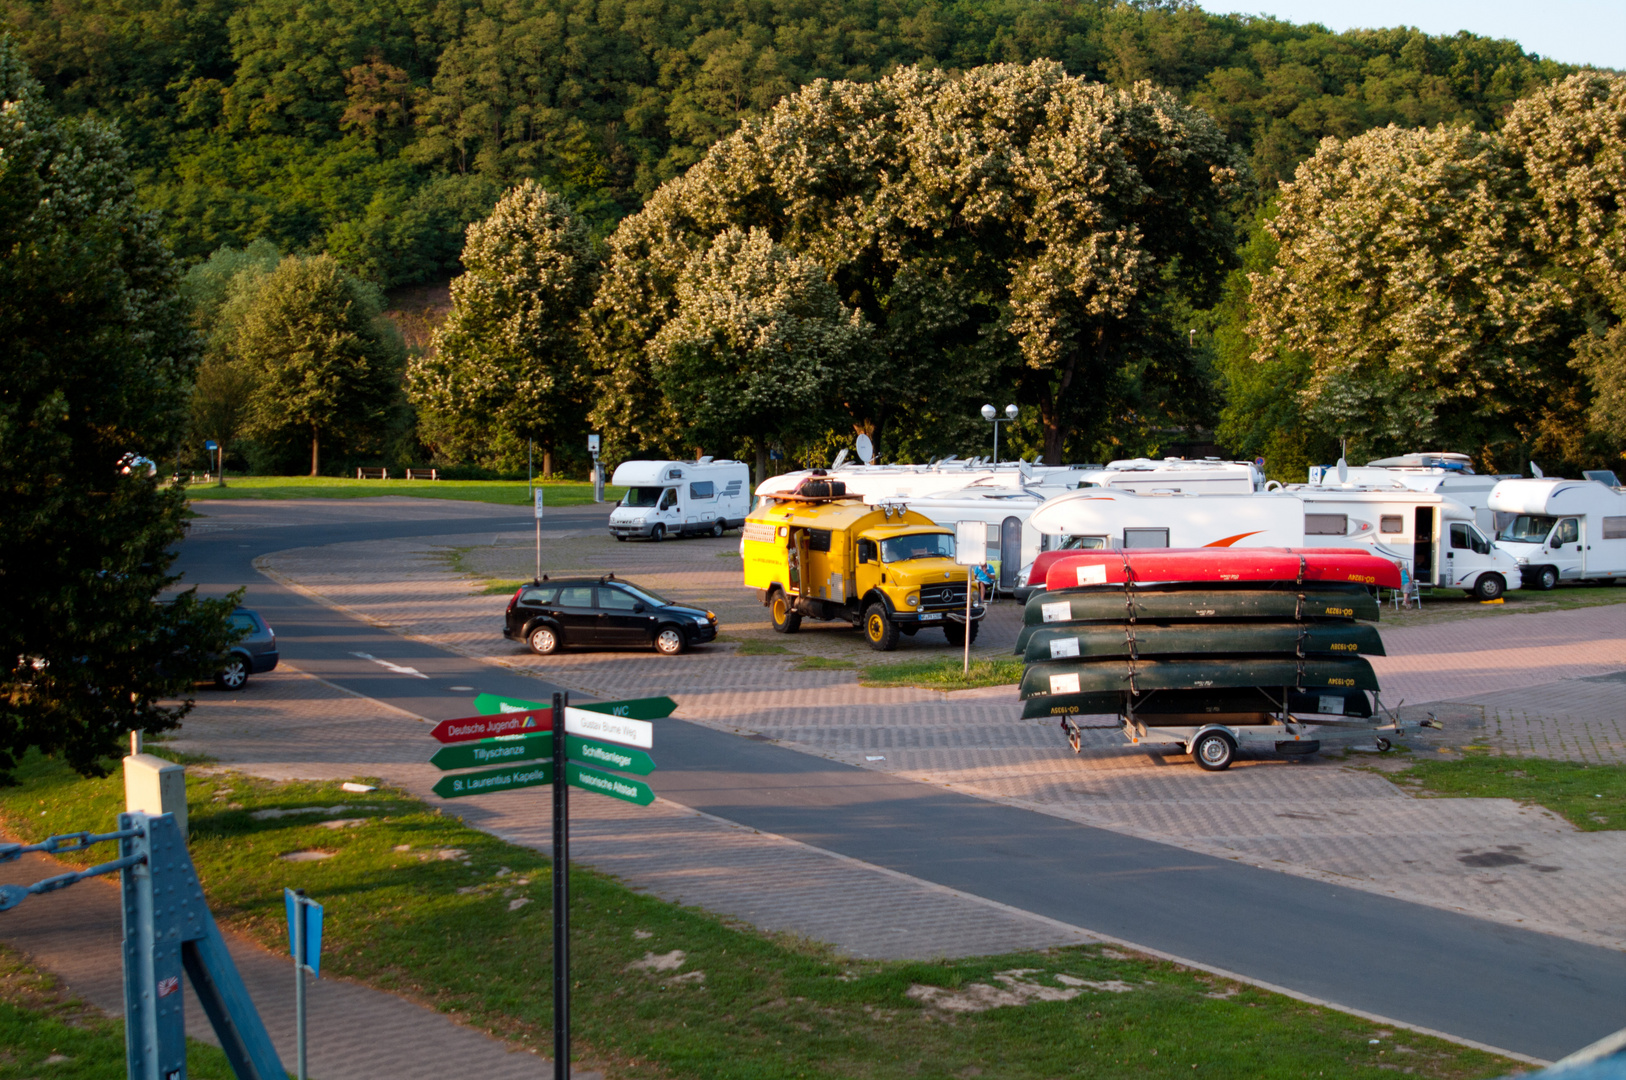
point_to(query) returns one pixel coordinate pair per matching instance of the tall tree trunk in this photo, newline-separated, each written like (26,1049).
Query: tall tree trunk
(762,463)
(1053,403)
(314,446)
(547,464)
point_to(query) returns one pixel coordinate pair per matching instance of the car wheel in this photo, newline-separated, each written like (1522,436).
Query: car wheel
(1547,578)
(1489,586)
(955,632)
(786,620)
(1214,751)
(657,534)
(880,631)
(717,528)
(544,641)
(621,538)
(669,641)
(234,675)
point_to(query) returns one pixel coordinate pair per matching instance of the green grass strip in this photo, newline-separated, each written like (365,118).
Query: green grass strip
(944,673)
(504,492)
(1591,797)
(419,904)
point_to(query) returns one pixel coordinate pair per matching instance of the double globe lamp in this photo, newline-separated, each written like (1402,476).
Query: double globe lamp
(992,416)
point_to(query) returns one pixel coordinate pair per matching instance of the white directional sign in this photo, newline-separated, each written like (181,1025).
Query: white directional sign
(970,543)
(618,729)
(539,504)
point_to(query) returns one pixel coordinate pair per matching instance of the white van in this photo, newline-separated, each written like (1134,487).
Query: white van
(1563,530)
(680,498)
(1433,537)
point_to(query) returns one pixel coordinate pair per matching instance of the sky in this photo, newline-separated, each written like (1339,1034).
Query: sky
(1571,31)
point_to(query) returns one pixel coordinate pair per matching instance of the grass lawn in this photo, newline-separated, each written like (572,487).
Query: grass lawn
(45,1032)
(505,492)
(1592,797)
(418,904)
(944,673)
(1451,605)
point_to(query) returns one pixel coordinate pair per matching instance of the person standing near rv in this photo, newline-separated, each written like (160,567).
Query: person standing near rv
(680,498)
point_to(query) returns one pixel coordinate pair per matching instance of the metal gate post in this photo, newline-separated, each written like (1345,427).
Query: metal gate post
(154,1020)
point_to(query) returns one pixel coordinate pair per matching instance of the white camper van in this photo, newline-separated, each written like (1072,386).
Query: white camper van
(680,498)
(1563,530)
(876,482)
(1451,475)
(1181,476)
(1433,537)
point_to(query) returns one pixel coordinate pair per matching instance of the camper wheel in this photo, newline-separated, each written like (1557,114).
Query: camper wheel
(717,528)
(657,534)
(879,630)
(1545,578)
(1214,751)
(786,620)
(1489,587)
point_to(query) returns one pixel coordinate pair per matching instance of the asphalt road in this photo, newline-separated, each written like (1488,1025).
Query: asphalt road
(1531,993)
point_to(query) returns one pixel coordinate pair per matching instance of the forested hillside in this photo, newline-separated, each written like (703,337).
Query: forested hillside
(375,131)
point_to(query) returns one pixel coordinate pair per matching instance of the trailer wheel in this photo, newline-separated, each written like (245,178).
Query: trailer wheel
(1214,751)
(880,631)
(955,632)
(786,620)
(1546,578)
(1489,587)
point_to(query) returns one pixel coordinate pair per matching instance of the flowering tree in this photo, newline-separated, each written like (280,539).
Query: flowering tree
(1408,276)
(508,356)
(1008,215)
(1572,138)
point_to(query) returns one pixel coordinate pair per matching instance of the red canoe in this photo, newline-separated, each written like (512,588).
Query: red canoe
(1146,565)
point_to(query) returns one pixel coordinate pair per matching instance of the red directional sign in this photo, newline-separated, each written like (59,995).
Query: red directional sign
(489,727)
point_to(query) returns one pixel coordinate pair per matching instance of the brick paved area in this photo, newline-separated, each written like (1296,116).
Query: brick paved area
(1320,818)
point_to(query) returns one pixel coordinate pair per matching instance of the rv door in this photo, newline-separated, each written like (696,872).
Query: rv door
(1423,562)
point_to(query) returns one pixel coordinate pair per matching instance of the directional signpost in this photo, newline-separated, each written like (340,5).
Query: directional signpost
(527,740)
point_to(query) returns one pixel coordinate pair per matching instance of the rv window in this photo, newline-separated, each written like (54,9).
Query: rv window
(1146,538)
(1392,523)
(818,539)
(641,496)
(1568,532)
(1481,545)
(1614,528)
(1466,537)
(1084,543)
(669,499)
(702,489)
(1326,524)
(1527,529)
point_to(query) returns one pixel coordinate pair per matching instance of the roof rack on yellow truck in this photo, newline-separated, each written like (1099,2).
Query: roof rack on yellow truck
(818,553)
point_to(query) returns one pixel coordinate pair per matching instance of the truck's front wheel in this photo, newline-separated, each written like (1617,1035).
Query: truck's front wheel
(955,632)
(880,631)
(786,620)
(1489,587)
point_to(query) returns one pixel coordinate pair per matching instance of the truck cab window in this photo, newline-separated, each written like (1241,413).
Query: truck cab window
(919,546)
(668,499)
(866,551)
(1085,543)
(641,496)
(1459,537)
(1527,529)
(1568,532)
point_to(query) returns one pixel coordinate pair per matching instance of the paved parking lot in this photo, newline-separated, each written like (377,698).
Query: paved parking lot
(1516,683)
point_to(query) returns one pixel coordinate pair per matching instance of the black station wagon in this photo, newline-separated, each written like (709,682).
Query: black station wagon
(550,614)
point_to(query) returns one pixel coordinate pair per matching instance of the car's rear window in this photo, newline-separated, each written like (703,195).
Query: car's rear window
(538,596)
(243,621)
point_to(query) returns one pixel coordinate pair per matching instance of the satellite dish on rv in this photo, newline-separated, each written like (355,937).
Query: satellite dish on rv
(1343,471)
(866,450)
(836,464)
(1535,470)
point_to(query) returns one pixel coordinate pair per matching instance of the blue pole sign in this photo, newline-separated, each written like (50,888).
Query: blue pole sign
(312,911)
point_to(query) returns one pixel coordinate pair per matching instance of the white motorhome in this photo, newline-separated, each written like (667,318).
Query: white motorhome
(1447,474)
(680,498)
(1434,538)
(1563,530)
(1181,476)
(875,482)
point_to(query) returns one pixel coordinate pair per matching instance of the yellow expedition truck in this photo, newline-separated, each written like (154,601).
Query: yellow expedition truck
(821,554)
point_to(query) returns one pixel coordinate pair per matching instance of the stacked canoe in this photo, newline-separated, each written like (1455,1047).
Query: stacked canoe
(1204,635)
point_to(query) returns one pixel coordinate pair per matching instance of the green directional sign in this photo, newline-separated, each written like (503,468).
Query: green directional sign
(511,778)
(621,758)
(472,755)
(616,787)
(652,708)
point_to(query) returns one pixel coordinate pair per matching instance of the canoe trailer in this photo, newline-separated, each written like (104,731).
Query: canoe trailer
(1213,741)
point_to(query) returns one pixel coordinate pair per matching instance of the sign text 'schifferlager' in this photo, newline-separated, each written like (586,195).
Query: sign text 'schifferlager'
(620,758)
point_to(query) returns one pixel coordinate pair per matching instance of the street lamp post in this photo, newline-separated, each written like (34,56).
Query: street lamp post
(989,414)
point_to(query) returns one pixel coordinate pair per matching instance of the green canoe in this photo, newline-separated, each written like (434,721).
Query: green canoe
(1220,703)
(1057,677)
(1201,639)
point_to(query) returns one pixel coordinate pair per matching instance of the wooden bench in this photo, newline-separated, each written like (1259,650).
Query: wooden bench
(423,474)
(372,474)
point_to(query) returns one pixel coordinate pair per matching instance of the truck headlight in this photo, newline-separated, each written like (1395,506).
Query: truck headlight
(913,599)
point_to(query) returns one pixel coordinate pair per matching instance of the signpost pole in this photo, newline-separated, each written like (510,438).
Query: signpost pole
(299,977)
(970,579)
(561,896)
(538,496)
